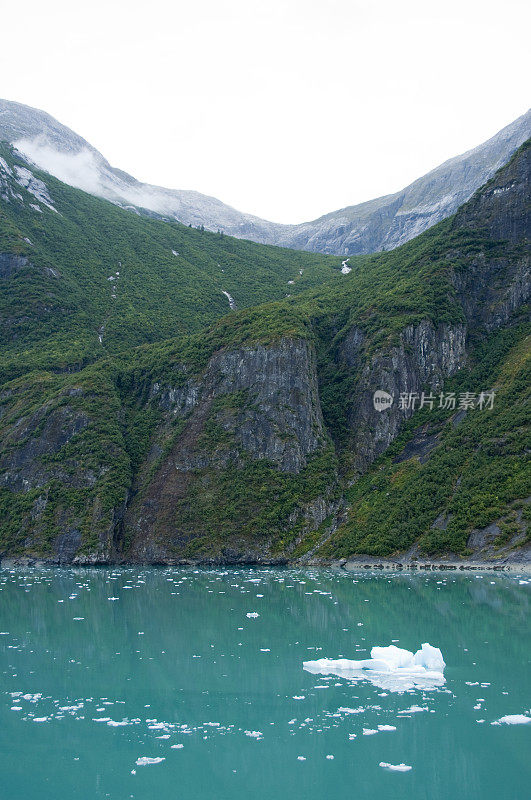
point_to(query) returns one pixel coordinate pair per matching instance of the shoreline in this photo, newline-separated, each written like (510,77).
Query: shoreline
(353,564)
(513,567)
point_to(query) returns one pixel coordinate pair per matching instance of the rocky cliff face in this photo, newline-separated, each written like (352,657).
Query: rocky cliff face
(257,403)
(55,461)
(424,357)
(380,224)
(494,286)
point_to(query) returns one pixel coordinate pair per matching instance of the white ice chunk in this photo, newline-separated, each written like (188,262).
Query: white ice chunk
(143,761)
(395,767)
(512,719)
(391,668)
(429,657)
(414,710)
(393,656)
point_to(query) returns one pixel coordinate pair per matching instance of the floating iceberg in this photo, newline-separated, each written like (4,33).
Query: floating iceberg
(391,668)
(395,767)
(512,719)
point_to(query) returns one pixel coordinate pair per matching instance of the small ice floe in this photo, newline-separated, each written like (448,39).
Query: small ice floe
(330,758)
(391,668)
(252,614)
(369,731)
(512,719)
(395,767)
(414,710)
(177,746)
(299,697)
(254,734)
(387,727)
(232,302)
(144,761)
(40,719)
(345,269)
(301,758)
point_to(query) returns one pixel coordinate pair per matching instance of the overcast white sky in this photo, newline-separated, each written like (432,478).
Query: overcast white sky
(286,109)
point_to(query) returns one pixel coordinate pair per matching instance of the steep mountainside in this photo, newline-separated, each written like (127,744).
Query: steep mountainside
(379,224)
(61,152)
(81,277)
(388,222)
(257,439)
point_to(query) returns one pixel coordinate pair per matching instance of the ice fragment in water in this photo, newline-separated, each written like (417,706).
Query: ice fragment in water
(395,767)
(391,668)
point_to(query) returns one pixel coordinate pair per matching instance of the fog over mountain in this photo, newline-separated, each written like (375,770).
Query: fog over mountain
(379,224)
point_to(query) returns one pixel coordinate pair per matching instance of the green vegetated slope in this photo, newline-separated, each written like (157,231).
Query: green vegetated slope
(477,474)
(94,269)
(253,438)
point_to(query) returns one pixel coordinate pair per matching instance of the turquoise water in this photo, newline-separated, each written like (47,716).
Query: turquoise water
(173,657)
